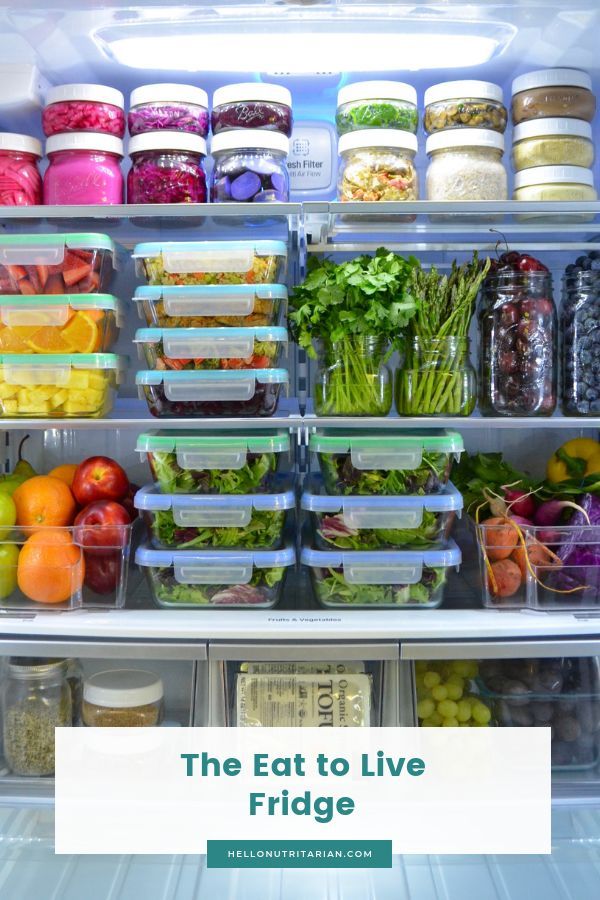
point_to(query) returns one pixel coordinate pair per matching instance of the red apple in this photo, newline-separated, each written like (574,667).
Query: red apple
(102,573)
(101,527)
(127,501)
(99,478)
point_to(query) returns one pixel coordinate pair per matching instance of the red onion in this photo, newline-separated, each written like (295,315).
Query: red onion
(83,115)
(20,181)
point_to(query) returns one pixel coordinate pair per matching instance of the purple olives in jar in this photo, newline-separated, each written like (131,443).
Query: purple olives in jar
(249,167)
(167,167)
(253,105)
(168,107)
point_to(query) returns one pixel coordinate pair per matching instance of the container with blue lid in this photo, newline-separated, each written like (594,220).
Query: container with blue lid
(211,262)
(197,349)
(210,305)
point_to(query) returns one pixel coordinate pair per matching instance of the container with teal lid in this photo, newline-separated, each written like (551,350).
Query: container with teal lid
(211,305)
(211,262)
(56,263)
(186,349)
(59,323)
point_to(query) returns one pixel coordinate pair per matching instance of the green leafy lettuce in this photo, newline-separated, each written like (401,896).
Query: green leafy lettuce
(250,479)
(341,477)
(263,531)
(333,589)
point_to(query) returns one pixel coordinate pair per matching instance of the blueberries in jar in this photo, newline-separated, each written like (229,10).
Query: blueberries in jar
(580,329)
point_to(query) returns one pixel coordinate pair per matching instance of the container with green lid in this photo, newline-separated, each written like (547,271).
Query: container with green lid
(386,463)
(211,262)
(215,463)
(60,323)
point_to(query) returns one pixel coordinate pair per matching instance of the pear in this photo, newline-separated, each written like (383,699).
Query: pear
(23,471)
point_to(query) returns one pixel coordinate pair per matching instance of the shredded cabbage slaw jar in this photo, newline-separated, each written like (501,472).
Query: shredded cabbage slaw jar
(20,180)
(84,107)
(168,107)
(377,164)
(167,167)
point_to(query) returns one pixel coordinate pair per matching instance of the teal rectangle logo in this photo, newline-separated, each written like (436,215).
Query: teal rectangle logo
(299,855)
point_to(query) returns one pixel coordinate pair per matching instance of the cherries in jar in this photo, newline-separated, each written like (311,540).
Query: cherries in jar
(518,327)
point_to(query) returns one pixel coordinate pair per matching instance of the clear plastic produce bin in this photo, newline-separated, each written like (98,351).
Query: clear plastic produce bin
(56,263)
(216,463)
(194,349)
(213,393)
(65,323)
(210,306)
(384,579)
(380,463)
(190,521)
(211,262)
(61,385)
(357,522)
(191,579)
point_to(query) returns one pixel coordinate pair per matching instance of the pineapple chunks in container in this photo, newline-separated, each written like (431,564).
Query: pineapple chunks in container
(46,386)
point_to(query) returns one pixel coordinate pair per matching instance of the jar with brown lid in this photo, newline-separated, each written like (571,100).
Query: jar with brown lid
(552,93)
(122,698)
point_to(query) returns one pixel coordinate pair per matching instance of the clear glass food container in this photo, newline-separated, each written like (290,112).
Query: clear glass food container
(466,164)
(565,567)
(580,331)
(555,183)
(122,698)
(204,579)
(223,522)
(58,385)
(376,462)
(20,179)
(64,323)
(552,142)
(549,93)
(211,306)
(446,694)
(353,378)
(211,262)
(215,463)
(252,105)
(56,263)
(185,349)
(464,104)
(167,167)
(377,164)
(168,107)
(518,329)
(250,166)
(377,104)
(36,699)
(84,170)
(436,378)
(84,108)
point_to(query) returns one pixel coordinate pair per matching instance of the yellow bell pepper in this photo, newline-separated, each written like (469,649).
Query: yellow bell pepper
(575,459)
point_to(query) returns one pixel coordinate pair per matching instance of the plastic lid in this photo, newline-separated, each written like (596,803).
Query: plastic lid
(123,688)
(552,78)
(103,143)
(82,241)
(377,90)
(450,500)
(20,143)
(219,292)
(167,140)
(170,93)
(463,90)
(449,557)
(464,137)
(261,559)
(378,137)
(149,498)
(262,376)
(554,175)
(95,93)
(387,451)
(256,442)
(250,139)
(258,247)
(18,302)
(249,91)
(76,360)
(266,333)
(541,127)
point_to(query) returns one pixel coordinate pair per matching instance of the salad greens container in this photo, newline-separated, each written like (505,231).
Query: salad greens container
(386,464)
(190,349)
(196,579)
(211,305)
(386,579)
(216,463)
(355,522)
(211,262)
(196,521)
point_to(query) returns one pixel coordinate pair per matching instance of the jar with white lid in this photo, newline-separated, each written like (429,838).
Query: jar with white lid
(168,107)
(167,167)
(552,142)
(122,698)
(553,93)
(20,180)
(377,104)
(466,164)
(250,166)
(84,107)
(377,164)
(84,169)
(252,105)
(555,183)
(464,104)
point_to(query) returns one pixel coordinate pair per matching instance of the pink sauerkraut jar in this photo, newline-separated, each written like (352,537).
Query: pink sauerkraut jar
(84,170)
(84,108)
(20,180)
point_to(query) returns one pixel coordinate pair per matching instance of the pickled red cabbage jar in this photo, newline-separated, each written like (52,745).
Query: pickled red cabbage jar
(250,167)
(84,107)
(20,181)
(168,107)
(253,105)
(167,167)
(85,169)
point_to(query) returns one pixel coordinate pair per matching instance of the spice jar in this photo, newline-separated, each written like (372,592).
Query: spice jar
(122,698)
(466,164)
(377,164)
(36,700)
(436,379)
(168,107)
(464,104)
(84,107)
(84,169)
(353,379)
(253,105)
(552,142)
(20,180)
(549,93)
(167,167)
(580,332)
(249,167)
(377,104)
(555,183)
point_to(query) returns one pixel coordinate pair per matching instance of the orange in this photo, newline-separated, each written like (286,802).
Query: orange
(44,500)
(66,473)
(49,339)
(11,342)
(51,567)
(81,333)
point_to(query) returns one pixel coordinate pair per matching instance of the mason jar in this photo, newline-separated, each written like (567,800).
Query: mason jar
(580,341)
(91,108)
(547,93)
(437,378)
(84,169)
(252,105)
(353,378)
(466,164)
(168,107)
(464,104)
(167,167)
(20,180)
(377,164)
(377,104)
(250,166)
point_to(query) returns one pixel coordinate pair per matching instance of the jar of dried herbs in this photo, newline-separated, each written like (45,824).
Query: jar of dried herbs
(122,698)
(37,699)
